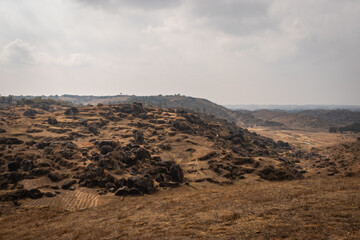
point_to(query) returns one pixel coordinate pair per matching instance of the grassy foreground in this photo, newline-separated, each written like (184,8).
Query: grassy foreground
(323,208)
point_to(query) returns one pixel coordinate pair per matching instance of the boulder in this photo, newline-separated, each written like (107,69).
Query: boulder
(142,184)
(42,145)
(67,184)
(35,193)
(30,113)
(15,195)
(176,173)
(27,165)
(56,176)
(52,120)
(126,191)
(106,149)
(71,111)
(111,143)
(123,191)
(139,137)
(13,166)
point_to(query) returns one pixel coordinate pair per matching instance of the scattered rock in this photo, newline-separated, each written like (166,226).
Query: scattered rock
(71,111)
(35,193)
(67,184)
(106,149)
(30,113)
(139,137)
(52,120)
(10,141)
(56,176)
(13,166)
(142,184)
(28,165)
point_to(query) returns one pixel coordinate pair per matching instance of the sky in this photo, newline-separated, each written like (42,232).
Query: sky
(228,51)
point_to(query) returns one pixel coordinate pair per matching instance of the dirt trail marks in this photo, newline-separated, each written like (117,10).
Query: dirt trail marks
(78,199)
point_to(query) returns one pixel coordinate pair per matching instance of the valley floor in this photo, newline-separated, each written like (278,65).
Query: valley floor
(317,208)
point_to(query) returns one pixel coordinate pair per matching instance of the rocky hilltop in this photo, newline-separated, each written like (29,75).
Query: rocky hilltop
(128,149)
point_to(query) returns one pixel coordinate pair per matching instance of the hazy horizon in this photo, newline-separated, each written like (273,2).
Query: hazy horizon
(265,52)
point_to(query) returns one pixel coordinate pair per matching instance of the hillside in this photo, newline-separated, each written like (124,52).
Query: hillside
(128,149)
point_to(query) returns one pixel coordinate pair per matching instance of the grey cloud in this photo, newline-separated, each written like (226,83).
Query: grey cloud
(141,4)
(239,17)
(19,52)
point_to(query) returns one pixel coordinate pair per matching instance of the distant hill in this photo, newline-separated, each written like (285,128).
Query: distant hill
(292,108)
(309,118)
(292,118)
(199,105)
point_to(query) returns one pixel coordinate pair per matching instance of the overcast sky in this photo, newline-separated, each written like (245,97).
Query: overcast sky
(228,51)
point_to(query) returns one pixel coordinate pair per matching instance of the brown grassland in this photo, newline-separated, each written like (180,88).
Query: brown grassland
(321,208)
(324,204)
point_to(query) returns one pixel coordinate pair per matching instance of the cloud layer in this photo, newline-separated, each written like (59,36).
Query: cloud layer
(230,51)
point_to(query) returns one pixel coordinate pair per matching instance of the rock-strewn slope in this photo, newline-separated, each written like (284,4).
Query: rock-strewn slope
(128,150)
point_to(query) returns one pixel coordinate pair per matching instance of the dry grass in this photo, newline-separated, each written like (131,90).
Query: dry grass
(324,208)
(305,139)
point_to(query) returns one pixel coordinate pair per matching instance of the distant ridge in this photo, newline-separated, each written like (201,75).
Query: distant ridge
(291,108)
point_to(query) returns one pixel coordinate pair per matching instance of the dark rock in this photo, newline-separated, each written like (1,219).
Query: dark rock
(28,165)
(56,176)
(111,143)
(13,166)
(52,120)
(123,191)
(42,145)
(43,164)
(35,193)
(13,177)
(121,183)
(83,122)
(284,145)
(71,111)
(165,146)
(93,128)
(10,141)
(110,185)
(144,185)
(141,154)
(176,173)
(135,192)
(49,194)
(39,171)
(67,184)
(16,195)
(106,149)
(139,137)
(2,130)
(276,174)
(30,113)
(30,143)
(191,150)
